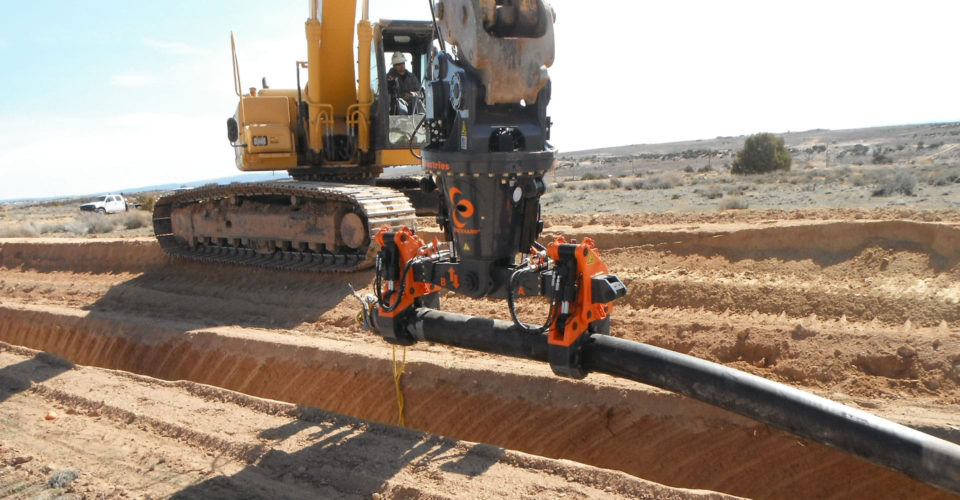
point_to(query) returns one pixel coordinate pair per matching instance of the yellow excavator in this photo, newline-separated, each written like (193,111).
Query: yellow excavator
(334,136)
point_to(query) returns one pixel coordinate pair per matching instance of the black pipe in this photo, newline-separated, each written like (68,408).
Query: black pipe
(877,440)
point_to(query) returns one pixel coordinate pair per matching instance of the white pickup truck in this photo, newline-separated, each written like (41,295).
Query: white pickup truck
(106,204)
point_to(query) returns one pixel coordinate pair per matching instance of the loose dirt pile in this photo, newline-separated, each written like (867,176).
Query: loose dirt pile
(863,310)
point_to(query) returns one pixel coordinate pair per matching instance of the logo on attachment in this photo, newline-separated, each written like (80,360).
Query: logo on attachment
(462,208)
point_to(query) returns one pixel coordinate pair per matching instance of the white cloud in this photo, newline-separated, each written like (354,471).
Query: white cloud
(174,47)
(131,80)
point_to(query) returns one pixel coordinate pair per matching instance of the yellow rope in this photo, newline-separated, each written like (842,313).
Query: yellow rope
(397,373)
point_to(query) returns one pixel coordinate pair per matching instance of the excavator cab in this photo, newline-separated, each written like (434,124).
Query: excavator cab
(393,129)
(337,125)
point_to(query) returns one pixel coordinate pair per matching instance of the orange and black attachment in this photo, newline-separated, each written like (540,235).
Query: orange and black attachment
(584,292)
(400,253)
(487,155)
(572,275)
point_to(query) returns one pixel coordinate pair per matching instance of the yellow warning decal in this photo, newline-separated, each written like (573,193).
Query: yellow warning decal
(590,259)
(466,246)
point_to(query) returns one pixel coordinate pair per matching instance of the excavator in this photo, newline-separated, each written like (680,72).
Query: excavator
(334,136)
(482,140)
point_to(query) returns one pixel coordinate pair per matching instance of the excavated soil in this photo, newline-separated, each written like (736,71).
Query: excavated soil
(860,307)
(118,434)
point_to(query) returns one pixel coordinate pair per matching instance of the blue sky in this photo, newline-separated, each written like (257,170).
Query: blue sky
(105,95)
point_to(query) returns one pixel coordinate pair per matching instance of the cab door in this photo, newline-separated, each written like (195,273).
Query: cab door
(114,204)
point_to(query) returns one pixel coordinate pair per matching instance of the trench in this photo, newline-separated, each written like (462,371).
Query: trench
(602,422)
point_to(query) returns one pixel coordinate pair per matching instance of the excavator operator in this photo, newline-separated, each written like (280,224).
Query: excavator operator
(403,85)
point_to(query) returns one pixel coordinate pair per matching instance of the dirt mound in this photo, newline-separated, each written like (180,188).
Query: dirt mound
(82,255)
(947,216)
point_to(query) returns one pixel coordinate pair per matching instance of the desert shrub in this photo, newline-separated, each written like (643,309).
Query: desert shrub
(881,158)
(943,178)
(554,197)
(899,182)
(90,223)
(134,219)
(616,183)
(704,169)
(147,201)
(838,173)
(734,203)
(761,153)
(559,185)
(637,184)
(667,181)
(591,177)
(734,190)
(688,169)
(53,227)
(710,192)
(25,230)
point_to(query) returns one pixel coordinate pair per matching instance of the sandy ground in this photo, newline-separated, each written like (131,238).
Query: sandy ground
(93,433)
(861,306)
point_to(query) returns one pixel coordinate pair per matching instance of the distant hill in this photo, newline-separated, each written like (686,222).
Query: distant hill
(923,144)
(929,133)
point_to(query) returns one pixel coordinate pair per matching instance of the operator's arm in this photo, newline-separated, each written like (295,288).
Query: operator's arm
(410,84)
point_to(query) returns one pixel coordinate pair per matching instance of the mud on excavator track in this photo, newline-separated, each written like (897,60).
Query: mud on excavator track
(285,224)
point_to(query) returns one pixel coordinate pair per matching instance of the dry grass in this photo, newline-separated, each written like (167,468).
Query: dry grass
(90,223)
(900,182)
(84,224)
(734,203)
(24,230)
(147,201)
(134,219)
(710,192)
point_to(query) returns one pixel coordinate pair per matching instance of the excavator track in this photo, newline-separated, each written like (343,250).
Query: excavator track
(285,224)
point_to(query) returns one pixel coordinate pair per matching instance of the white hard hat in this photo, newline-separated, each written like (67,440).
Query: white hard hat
(398,58)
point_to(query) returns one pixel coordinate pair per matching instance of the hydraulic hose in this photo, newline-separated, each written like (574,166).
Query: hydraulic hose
(877,440)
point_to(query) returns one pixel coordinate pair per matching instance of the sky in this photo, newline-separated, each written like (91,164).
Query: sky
(111,94)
